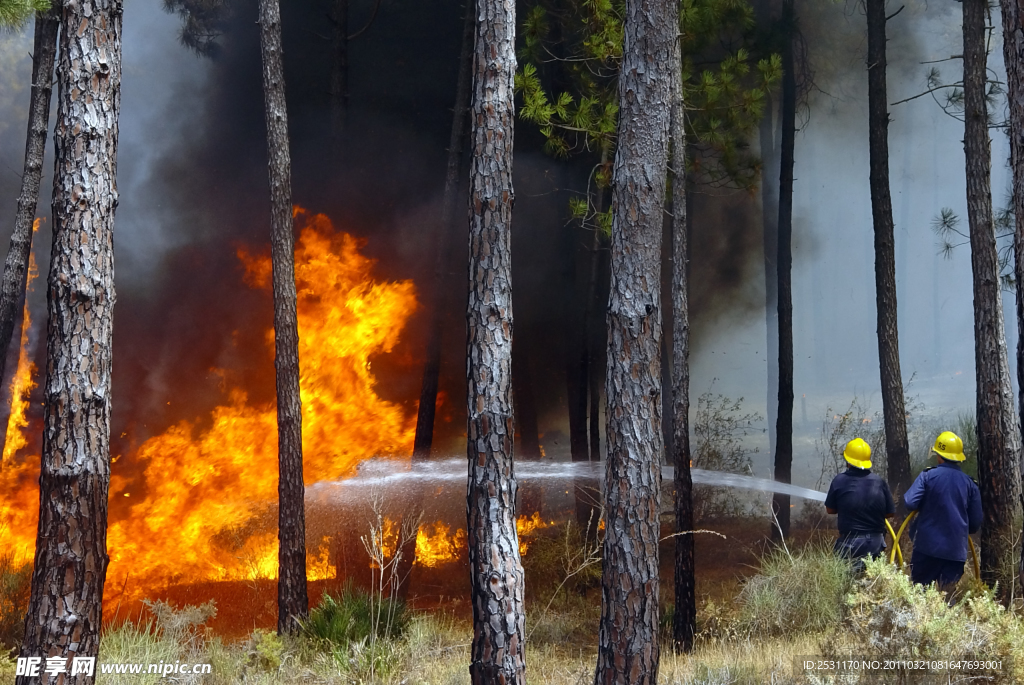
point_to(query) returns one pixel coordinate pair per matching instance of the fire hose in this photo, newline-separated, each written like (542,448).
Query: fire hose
(897,553)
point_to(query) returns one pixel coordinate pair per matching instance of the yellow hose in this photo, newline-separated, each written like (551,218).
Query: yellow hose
(896,551)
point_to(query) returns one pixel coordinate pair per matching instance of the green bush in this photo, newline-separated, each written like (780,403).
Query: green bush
(799,592)
(889,615)
(15,587)
(355,616)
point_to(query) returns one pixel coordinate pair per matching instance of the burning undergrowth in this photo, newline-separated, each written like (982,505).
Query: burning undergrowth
(207,509)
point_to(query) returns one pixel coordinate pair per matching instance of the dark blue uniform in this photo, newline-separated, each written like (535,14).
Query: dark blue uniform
(948,505)
(862,500)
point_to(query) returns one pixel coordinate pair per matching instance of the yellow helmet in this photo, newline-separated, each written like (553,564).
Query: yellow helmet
(858,453)
(949,446)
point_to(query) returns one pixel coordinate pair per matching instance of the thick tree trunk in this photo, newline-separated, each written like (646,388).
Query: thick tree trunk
(292,600)
(684,618)
(1013,57)
(496,572)
(998,465)
(339,67)
(628,650)
(893,411)
(424,439)
(784,261)
(12,290)
(65,609)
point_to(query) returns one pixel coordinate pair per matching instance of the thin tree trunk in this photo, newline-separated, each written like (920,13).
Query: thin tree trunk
(784,420)
(628,650)
(496,572)
(292,598)
(432,366)
(998,465)
(339,68)
(894,413)
(684,618)
(12,291)
(65,609)
(1013,57)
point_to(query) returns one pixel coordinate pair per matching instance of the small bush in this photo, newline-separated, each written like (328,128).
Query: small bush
(889,615)
(15,587)
(355,616)
(800,592)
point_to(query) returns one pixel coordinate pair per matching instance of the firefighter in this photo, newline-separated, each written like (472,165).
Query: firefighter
(948,506)
(863,502)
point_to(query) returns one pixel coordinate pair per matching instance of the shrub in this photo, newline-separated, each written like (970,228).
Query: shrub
(890,616)
(355,616)
(15,587)
(800,592)
(720,429)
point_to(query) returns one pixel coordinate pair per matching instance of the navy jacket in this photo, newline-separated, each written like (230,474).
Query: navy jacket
(948,505)
(862,501)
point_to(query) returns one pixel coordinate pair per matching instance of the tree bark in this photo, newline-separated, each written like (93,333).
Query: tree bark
(496,572)
(628,650)
(65,609)
(684,617)
(893,411)
(432,366)
(12,290)
(1013,57)
(339,68)
(998,464)
(292,598)
(784,261)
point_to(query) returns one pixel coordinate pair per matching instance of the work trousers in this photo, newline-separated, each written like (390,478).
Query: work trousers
(858,546)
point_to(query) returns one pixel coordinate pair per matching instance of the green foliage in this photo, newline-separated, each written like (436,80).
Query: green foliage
(354,616)
(571,55)
(888,614)
(14,13)
(795,593)
(266,649)
(15,587)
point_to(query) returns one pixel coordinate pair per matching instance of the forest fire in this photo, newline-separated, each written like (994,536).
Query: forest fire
(206,510)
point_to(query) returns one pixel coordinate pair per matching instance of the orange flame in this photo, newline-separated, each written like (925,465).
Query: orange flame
(208,508)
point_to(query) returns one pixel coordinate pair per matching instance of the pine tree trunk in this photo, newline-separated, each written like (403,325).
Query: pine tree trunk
(1013,57)
(292,600)
(12,290)
(684,618)
(496,572)
(339,68)
(784,261)
(628,650)
(432,366)
(894,413)
(998,465)
(65,609)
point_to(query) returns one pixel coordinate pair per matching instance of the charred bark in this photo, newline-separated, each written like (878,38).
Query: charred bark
(292,599)
(65,609)
(628,650)
(998,463)
(12,291)
(684,617)
(496,572)
(1013,58)
(432,366)
(895,415)
(784,262)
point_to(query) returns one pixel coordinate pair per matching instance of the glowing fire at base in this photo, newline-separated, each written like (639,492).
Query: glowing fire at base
(208,509)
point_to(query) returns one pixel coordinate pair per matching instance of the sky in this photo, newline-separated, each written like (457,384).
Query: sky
(192,183)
